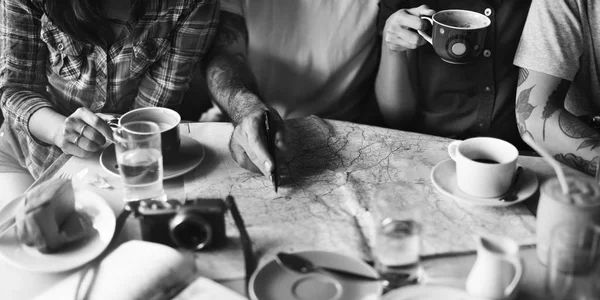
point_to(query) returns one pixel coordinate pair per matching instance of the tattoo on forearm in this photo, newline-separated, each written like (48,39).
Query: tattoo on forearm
(524,109)
(228,75)
(523,74)
(573,127)
(556,101)
(578,162)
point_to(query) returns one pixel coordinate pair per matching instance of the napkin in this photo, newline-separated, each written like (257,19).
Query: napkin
(135,270)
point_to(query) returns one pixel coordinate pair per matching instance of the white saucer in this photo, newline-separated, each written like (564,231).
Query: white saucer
(274,282)
(428,292)
(189,157)
(73,256)
(443,177)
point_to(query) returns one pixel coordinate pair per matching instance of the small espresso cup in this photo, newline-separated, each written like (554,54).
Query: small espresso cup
(484,166)
(457,36)
(167,120)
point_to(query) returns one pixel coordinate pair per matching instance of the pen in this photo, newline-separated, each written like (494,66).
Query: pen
(270,133)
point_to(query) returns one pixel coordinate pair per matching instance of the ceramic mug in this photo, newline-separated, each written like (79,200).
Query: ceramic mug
(168,121)
(484,166)
(457,36)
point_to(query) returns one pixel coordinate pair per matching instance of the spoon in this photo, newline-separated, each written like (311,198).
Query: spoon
(512,194)
(302,265)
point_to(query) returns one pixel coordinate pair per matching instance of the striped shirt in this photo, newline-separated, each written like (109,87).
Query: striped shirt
(149,64)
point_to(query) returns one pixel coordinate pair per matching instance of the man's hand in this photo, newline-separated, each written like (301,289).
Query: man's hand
(400,32)
(82,133)
(248,144)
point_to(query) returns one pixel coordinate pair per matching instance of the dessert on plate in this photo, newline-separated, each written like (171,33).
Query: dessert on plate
(47,219)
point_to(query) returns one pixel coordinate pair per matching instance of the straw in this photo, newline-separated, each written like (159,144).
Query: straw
(559,172)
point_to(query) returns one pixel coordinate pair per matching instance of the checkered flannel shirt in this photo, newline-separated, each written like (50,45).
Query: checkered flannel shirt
(150,64)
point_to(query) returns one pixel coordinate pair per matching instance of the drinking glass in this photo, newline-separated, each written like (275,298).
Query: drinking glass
(397,213)
(140,162)
(573,270)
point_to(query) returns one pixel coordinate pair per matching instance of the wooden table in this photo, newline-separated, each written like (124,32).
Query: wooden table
(449,270)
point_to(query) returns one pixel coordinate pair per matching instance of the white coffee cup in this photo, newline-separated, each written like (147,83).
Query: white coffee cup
(484,166)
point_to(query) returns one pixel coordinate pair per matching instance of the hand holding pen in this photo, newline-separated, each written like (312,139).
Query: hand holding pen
(252,148)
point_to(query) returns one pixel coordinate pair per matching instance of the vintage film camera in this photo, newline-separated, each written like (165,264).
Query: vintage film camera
(195,225)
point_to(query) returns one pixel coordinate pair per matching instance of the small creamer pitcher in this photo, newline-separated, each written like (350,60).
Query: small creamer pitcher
(497,269)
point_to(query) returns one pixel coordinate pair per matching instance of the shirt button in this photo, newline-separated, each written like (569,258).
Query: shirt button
(487,53)
(488,89)
(61,47)
(480,125)
(487,12)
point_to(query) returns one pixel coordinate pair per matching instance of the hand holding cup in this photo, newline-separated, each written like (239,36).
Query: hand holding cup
(400,32)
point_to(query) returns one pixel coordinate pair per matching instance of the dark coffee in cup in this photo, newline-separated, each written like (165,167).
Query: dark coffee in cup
(167,120)
(486,161)
(457,36)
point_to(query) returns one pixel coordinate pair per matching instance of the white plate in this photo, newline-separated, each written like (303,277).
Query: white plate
(190,156)
(72,256)
(428,292)
(443,177)
(274,282)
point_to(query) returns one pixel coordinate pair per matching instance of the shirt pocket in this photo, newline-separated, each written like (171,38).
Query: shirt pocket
(66,55)
(146,53)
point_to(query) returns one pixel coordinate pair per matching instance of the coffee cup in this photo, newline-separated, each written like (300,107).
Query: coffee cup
(457,36)
(578,209)
(484,166)
(167,120)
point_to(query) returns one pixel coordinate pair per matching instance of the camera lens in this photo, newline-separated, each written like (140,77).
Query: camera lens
(190,231)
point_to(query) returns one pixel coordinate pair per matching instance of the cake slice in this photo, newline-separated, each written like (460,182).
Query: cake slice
(42,216)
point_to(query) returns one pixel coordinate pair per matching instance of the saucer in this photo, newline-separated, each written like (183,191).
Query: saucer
(274,282)
(428,292)
(191,153)
(443,177)
(73,256)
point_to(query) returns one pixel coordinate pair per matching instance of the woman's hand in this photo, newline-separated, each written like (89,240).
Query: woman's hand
(400,32)
(82,133)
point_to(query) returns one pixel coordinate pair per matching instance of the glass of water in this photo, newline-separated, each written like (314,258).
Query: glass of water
(140,162)
(397,212)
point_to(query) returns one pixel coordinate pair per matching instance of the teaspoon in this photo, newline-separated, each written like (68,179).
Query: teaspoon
(302,265)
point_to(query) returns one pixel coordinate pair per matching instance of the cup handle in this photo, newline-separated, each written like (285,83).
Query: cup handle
(452,149)
(516,262)
(426,36)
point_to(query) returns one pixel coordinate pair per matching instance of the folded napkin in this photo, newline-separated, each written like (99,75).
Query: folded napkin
(135,270)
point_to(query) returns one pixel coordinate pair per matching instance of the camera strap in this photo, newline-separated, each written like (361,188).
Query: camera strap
(249,260)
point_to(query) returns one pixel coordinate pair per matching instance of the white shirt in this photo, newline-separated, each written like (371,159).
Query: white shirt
(311,56)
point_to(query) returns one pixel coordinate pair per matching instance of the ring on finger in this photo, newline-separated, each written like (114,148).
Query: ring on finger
(82,129)
(76,141)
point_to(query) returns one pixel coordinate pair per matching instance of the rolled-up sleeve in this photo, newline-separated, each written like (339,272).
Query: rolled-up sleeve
(168,78)
(23,54)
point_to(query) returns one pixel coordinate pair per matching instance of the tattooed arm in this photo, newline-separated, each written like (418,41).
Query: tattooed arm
(541,112)
(234,89)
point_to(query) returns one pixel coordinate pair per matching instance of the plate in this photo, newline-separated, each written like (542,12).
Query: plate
(443,177)
(73,256)
(190,156)
(428,292)
(274,282)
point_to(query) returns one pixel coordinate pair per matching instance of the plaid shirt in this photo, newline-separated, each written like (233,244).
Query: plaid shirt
(150,64)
